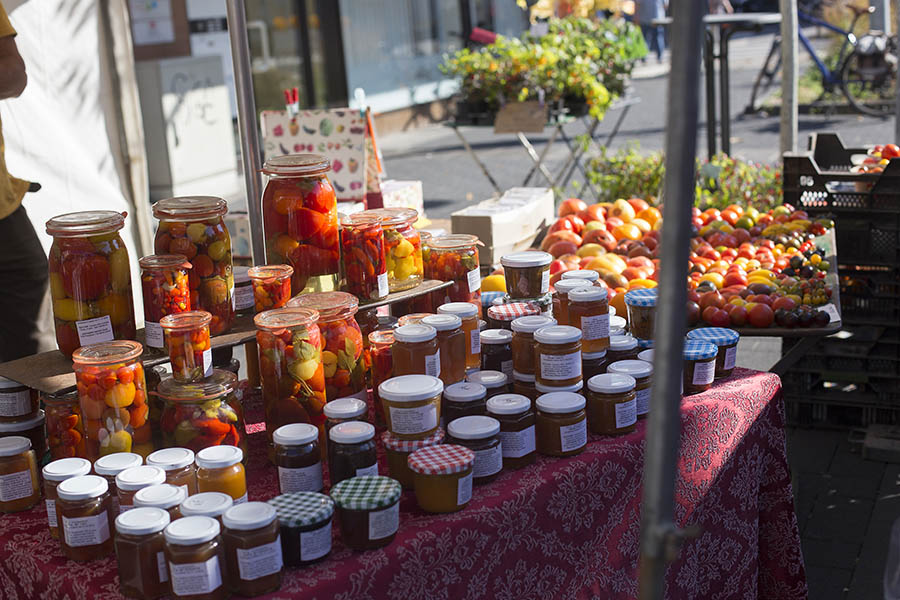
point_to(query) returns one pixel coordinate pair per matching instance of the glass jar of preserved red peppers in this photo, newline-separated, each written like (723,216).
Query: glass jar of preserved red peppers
(113,398)
(345,374)
(164,284)
(271,286)
(199,415)
(187,338)
(194,226)
(65,432)
(362,247)
(403,247)
(300,220)
(290,367)
(90,279)
(455,258)
(382,367)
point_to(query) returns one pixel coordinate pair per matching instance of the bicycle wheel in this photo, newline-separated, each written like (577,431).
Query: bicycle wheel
(870,81)
(765,79)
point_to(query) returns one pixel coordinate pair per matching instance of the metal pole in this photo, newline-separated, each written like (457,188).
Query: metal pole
(897,116)
(251,156)
(659,535)
(789,74)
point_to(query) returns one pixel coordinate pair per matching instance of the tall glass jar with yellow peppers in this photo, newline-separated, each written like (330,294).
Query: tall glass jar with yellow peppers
(403,247)
(291,372)
(90,279)
(202,414)
(455,258)
(194,226)
(345,373)
(113,398)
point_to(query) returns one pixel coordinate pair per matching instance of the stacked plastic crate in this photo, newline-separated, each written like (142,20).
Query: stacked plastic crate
(851,378)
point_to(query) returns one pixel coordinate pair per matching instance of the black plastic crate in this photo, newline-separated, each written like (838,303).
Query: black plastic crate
(870,307)
(867,240)
(807,412)
(869,280)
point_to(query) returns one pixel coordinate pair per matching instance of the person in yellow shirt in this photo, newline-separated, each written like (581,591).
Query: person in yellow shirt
(23,264)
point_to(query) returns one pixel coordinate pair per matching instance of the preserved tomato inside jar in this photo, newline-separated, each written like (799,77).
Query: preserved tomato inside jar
(362,246)
(342,357)
(113,398)
(194,226)
(271,286)
(290,367)
(166,291)
(90,279)
(403,247)
(65,433)
(382,367)
(300,220)
(455,258)
(190,350)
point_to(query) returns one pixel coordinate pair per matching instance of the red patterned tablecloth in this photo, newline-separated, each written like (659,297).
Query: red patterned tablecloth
(565,528)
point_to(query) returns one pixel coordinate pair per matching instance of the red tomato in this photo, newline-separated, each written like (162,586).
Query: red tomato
(305,223)
(571,206)
(562,224)
(577,223)
(761,316)
(85,276)
(321,198)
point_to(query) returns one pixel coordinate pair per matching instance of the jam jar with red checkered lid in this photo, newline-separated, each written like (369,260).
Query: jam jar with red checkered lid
(501,316)
(443,477)
(397,451)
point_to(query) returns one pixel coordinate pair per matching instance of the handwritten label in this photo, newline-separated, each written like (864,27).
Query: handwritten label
(92,331)
(474,278)
(153,334)
(561,366)
(626,414)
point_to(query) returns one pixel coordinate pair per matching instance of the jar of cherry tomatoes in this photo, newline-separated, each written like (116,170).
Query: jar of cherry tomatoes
(90,279)
(194,226)
(65,432)
(290,367)
(403,247)
(164,284)
(345,374)
(382,367)
(362,247)
(455,258)
(271,286)
(113,398)
(190,350)
(301,222)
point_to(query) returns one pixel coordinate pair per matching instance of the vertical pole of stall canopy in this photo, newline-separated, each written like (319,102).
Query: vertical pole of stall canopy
(789,73)
(897,87)
(658,532)
(247,125)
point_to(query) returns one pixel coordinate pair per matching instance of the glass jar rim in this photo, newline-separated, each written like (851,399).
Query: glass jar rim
(296,164)
(107,353)
(189,208)
(267,272)
(454,241)
(381,336)
(361,220)
(191,319)
(285,317)
(330,306)
(164,261)
(393,216)
(219,384)
(88,222)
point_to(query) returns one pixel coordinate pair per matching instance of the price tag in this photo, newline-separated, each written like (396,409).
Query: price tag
(833,315)
(474,278)
(92,331)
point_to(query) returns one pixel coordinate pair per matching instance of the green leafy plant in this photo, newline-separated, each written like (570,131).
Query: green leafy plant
(626,174)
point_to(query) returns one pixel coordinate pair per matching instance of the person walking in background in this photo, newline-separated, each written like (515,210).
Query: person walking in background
(655,36)
(23,264)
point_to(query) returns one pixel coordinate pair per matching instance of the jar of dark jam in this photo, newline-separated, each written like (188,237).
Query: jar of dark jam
(305,522)
(496,351)
(351,451)
(482,436)
(621,347)
(516,418)
(462,400)
(593,363)
(298,458)
(253,555)
(495,382)
(368,510)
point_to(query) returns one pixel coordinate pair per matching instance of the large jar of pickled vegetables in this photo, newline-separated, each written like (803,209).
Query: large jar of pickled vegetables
(194,226)
(290,367)
(65,433)
(90,279)
(164,284)
(455,258)
(362,249)
(202,414)
(300,220)
(113,398)
(345,374)
(403,247)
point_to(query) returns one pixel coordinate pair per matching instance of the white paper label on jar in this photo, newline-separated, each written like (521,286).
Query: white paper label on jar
(383,288)
(303,479)
(15,404)
(573,437)
(642,400)
(261,561)
(410,421)
(192,579)
(464,489)
(15,486)
(517,444)
(488,462)
(241,500)
(161,567)
(506,367)
(704,372)
(86,531)
(561,366)
(433,364)
(384,523)
(92,331)
(626,414)
(730,357)
(545,281)
(474,277)
(316,543)
(153,334)
(595,327)
(207,362)
(370,470)
(475,342)
(51,513)
(243,297)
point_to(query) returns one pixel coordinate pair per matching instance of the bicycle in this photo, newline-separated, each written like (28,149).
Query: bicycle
(866,67)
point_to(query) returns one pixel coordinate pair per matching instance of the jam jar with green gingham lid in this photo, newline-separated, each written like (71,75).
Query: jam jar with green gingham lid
(305,522)
(726,340)
(368,510)
(443,477)
(699,366)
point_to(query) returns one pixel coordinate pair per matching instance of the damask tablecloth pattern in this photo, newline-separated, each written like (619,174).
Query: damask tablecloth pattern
(561,528)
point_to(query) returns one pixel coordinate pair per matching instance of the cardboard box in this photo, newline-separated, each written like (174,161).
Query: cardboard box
(506,224)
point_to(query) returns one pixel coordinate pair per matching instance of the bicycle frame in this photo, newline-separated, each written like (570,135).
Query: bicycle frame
(830,77)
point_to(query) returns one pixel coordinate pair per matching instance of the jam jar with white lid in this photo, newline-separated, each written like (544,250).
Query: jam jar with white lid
(178,463)
(589,312)
(611,404)
(588,275)
(593,363)
(495,382)
(726,340)
(496,351)
(468,312)
(646,355)
(699,366)
(55,473)
(30,427)
(140,552)
(397,453)
(642,372)
(196,557)
(557,355)
(451,344)
(351,451)
(622,347)
(132,479)
(342,410)
(206,504)
(481,435)
(463,399)
(527,273)
(253,555)
(110,466)
(412,405)
(305,521)
(165,496)
(415,351)
(548,389)
(220,469)
(20,488)
(298,457)
(523,330)
(516,418)
(523,384)
(16,400)
(85,518)
(617,325)
(442,477)
(561,291)
(368,510)
(561,424)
